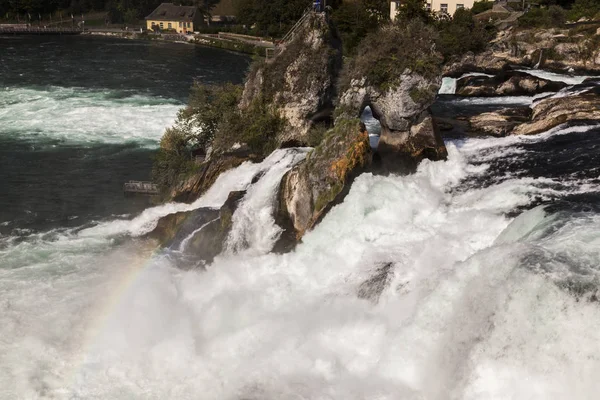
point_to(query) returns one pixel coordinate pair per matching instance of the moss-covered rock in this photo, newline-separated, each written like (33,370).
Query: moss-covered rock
(313,186)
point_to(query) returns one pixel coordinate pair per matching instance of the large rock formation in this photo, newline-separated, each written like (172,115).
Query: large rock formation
(551,49)
(299,82)
(506,83)
(551,112)
(408,133)
(310,188)
(199,234)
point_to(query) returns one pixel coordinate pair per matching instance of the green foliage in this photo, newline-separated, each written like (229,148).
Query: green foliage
(270,17)
(172,160)
(481,6)
(356,19)
(584,8)
(411,10)
(554,16)
(462,34)
(316,134)
(258,126)
(385,54)
(206,107)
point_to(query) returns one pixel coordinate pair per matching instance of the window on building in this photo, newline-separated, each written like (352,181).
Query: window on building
(428,6)
(170,26)
(189,24)
(460,6)
(444,7)
(162,25)
(180,24)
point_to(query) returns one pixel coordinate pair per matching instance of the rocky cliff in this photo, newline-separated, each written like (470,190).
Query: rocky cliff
(551,49)
(299,82)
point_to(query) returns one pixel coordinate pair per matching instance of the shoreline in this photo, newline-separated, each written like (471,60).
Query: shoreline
(244,47)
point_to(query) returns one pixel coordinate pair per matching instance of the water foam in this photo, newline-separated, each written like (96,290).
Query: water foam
(459,314)
(84,115)
(552,76)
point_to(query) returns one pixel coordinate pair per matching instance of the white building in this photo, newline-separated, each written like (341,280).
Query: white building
(445,6)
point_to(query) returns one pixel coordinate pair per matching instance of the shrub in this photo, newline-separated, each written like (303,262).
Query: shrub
(481,6)
(384,55)
(172,160)
(462,34)
(554,16)
(584,8)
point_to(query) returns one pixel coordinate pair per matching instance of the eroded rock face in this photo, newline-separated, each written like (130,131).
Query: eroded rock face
(408,133)
(200,235)
(551,112)
(300,81)
(497,123)
(311,187)
(552,49)
(510,83)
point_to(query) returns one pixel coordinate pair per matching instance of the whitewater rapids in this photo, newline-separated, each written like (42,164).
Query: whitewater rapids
(415,287)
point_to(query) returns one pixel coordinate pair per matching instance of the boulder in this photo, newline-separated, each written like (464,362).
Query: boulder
(551,112)
(309,189)
(199,234)
(408,133)
(508,83)
(497,123)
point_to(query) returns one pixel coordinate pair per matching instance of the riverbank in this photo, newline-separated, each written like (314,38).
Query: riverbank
(226,41)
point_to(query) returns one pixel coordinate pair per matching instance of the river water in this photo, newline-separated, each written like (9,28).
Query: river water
(474,278)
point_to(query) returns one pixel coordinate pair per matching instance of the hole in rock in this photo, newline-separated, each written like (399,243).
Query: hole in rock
(373,126)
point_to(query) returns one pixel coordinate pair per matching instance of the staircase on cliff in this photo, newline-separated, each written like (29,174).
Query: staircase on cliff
(274,51)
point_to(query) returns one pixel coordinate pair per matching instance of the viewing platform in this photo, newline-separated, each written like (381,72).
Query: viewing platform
(138,187)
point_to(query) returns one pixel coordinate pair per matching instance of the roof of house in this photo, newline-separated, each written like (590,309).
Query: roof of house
(171,12)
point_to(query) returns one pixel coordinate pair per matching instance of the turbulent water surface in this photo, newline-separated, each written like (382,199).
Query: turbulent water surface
(475,278)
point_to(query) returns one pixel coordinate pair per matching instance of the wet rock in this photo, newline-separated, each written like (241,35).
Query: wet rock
(321,180)
(512,83)
(551,112)
(372,288)
(408,133)
(200,234)
(498,123)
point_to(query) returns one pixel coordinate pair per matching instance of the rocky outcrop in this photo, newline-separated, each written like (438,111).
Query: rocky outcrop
(551,112)
(498,123)
(508,83)
(199,234)
(192,187)
(310,188)
(408,133)
(300,81)
(551,49)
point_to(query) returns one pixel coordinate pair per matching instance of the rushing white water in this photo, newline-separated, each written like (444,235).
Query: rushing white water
(84,115)
(552,76)
(233,180)
(470,306)
(449,84)
(253,223)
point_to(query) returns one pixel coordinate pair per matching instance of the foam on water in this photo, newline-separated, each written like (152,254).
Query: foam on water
(449,84)
(233,180)
(411,288)
(552,76)
(84,115)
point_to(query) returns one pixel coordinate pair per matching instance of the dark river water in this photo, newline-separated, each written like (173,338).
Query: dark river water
(79,116)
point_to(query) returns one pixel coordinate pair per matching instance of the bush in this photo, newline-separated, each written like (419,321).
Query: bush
(462,34)
(172,160)
(481,6)
(554,16)
(385,54)
(584,9)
